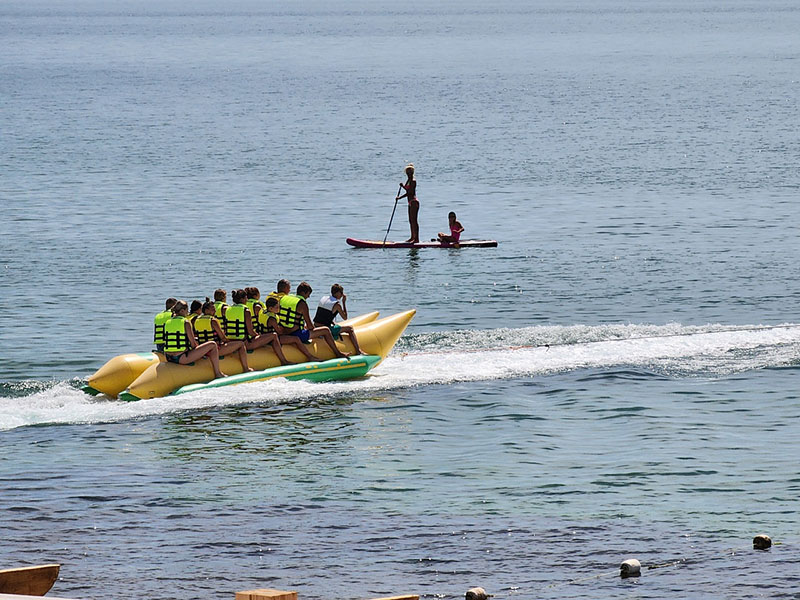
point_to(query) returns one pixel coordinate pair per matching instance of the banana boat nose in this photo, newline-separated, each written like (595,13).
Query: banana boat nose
(380,336)
(119,372)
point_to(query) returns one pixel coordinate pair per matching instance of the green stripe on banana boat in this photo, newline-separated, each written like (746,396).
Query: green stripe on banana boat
(328,370)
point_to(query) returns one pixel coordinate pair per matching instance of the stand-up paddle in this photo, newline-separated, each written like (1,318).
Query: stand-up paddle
(397,197)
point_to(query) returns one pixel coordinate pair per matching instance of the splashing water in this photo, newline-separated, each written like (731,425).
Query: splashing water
(446,357)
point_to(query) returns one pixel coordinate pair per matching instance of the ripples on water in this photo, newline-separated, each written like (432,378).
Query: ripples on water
(444,469)
(521,486)
(617,378)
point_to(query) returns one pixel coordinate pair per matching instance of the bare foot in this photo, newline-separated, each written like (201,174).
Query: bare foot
(250,369)
(220,375)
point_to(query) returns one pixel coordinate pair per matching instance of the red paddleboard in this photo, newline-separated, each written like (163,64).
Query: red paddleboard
(389,244)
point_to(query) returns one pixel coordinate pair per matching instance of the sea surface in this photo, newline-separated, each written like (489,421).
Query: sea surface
(617,379)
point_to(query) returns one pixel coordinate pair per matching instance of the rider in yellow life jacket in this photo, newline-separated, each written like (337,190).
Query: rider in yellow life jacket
(269,321)
(254,304)
(195,310)
(204,328)
(294,314)
(159,322)
(290,315)
(207,328)
(235,326)
(239,326)
(176,340)
(180,345)
(220,303)
(283,288)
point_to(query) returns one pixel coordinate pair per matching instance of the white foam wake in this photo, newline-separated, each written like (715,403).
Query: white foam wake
(447,357)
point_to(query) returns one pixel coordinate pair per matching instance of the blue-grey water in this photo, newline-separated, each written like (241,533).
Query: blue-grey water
(617,379)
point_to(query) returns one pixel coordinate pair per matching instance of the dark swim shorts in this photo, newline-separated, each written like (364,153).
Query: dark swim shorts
(174,358)
(336,331)
(303,334)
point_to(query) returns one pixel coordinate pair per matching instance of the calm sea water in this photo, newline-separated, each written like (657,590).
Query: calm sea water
(619,378)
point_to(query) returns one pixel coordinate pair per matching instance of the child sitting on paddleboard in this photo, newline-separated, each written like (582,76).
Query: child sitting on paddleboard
(456,229)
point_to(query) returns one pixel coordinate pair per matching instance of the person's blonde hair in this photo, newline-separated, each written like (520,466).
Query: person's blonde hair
(409,167)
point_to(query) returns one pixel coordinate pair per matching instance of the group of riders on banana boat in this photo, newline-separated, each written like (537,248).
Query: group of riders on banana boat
(212,328)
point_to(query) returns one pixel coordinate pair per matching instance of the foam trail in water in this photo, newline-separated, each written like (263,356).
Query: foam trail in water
(670,349)
(441,358)
(63,403)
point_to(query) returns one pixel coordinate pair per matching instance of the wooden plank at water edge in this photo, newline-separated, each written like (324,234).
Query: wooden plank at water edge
(266,594)
(30,581)
(19,597)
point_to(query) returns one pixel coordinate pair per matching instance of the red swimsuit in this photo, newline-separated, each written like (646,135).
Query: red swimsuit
(414,185)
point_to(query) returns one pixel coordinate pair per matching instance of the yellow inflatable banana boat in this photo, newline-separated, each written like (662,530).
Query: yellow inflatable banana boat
(121,371)
(158,378)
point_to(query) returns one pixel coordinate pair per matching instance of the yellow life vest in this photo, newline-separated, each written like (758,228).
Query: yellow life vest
(204,329)
(235,327)
(175,338)
(265,317)
(251,306)
(158,326)
(218,306)
(289,316)
(277,296)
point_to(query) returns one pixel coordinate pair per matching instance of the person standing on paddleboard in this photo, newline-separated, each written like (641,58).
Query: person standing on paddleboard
(410,186)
